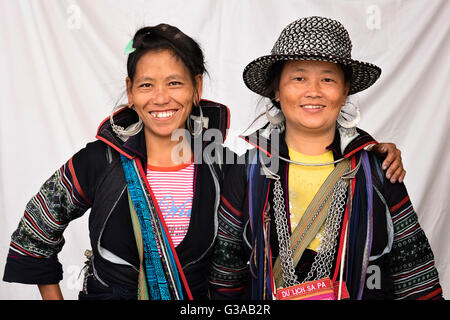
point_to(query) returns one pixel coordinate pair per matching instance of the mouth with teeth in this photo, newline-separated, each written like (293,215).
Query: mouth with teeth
(312,106)
(163,115)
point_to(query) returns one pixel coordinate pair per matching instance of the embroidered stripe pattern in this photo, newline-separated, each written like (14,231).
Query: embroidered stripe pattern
(154,270)
(228,270)
(48,213)
(414,273)
(174,192)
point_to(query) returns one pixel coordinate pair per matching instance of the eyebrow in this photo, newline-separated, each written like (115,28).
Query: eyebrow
(144,79)
(171,77)
(326,71)
(329,71)
(174,76)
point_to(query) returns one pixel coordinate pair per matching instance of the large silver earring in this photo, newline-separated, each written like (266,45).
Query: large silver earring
(198,123)
(121,132)
(349,116)
(277,121)
(347,121)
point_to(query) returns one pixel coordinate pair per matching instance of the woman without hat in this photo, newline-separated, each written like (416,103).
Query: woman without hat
(324,220)
(128,177)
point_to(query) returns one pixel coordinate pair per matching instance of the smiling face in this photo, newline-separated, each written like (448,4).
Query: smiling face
(163,92)
(311,94)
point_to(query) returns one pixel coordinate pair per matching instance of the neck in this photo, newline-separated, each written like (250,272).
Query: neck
(309,142)
(164,152)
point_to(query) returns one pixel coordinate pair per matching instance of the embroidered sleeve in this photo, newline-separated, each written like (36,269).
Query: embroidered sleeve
(229,270)
(59,200)
(412,262)
(34,245)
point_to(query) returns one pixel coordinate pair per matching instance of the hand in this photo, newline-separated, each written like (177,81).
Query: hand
(393,162)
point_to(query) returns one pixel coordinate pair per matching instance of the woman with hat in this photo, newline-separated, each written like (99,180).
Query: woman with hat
(320,220)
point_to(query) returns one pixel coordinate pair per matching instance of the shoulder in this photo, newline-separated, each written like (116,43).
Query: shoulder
(90,164)
(93,149)
(94,155)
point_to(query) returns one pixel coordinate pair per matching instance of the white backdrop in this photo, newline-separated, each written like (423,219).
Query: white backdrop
(62,69)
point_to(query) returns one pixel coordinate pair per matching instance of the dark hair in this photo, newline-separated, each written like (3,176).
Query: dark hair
(273,81)
(166,37)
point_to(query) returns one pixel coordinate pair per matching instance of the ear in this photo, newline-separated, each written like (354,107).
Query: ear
(277,95)
(129,86)
(198,88)
(346,90)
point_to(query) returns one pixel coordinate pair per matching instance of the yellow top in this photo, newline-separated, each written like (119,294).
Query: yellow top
(304,182)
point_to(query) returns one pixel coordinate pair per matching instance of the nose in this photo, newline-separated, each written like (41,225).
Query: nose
(313,90)
(161,95)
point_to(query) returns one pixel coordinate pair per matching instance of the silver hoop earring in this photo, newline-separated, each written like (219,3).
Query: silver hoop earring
(277,121)
(121,132)
(198,123)
(349,116)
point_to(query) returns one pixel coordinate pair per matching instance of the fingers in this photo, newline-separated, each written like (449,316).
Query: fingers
(392,154)
(395,171)
(402,176)
(393,163)
(395,175)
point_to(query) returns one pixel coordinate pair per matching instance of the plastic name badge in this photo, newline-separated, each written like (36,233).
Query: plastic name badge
(322,289)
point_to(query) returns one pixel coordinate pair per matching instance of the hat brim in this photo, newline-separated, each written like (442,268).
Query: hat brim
(255,74)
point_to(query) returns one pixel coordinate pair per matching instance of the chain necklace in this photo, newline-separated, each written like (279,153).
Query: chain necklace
(310,164)
(322,263)
(325,253)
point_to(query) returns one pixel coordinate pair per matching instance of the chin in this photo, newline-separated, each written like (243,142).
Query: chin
(313,127)
(164,131)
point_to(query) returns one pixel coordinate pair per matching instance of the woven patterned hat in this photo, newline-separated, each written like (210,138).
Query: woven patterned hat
(312,38)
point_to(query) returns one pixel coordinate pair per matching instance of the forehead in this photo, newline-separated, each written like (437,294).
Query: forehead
(312,65)
(161,61)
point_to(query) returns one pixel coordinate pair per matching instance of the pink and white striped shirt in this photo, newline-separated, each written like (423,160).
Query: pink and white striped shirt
(173,190)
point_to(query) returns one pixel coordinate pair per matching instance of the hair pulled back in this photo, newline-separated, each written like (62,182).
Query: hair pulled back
(166,37)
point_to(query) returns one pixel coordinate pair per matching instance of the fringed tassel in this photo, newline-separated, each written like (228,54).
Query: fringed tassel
(361,229)
(351,190)
(354,223)
(369,212)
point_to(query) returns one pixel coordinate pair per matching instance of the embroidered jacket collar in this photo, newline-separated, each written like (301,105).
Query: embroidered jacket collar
(343,145)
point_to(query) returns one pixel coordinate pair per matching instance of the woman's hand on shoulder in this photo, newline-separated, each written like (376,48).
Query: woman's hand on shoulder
(393,162)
